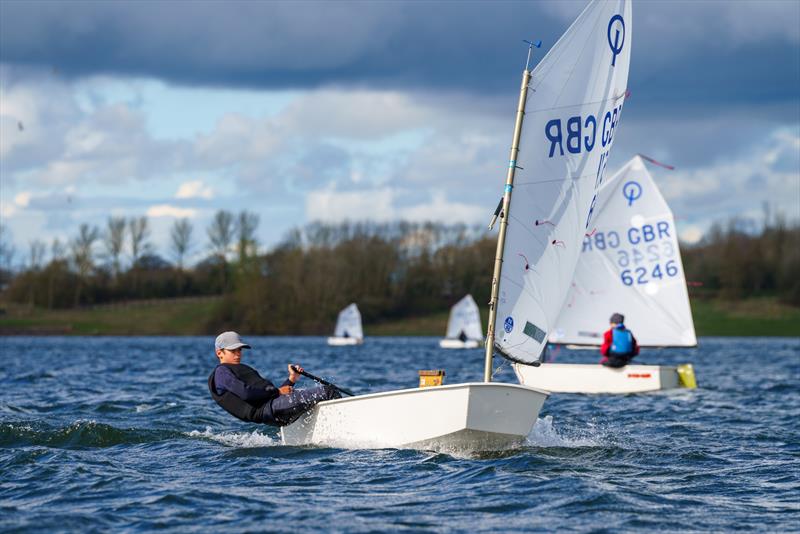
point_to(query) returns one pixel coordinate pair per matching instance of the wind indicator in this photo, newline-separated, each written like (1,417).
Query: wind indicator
(531,45)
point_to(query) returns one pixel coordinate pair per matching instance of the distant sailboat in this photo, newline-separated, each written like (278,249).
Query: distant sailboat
(576,95)
(463,326)
(631,264)
(348,329)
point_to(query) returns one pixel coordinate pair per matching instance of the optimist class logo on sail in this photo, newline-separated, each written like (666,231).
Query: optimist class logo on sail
(616,44)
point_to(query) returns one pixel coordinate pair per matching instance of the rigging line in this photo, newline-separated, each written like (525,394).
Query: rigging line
(654,162)
(502,364)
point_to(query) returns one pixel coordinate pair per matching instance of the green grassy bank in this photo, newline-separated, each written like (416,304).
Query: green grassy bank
(752,317)
(159,317)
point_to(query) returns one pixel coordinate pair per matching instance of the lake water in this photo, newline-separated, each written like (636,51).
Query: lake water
(100,434)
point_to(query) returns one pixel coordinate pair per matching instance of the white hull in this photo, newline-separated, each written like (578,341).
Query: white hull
(448,343)
(454,418)
(595,378)
(343,341)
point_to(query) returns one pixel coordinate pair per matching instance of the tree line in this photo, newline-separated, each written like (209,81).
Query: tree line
(120,262)
(736,260)
(391,270)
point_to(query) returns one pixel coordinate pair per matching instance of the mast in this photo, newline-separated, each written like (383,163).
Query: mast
(501,238)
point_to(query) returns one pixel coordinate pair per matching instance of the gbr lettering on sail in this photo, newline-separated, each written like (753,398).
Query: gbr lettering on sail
(580,134)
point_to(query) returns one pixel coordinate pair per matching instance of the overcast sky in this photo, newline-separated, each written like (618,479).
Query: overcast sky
(302,111)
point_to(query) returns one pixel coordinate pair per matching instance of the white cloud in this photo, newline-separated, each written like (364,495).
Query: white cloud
(7,209)
(385,205)
(355,114)
(194,189)
(22,199)
(336,206)
(768,172)
(18,119)
(165,210)
(439,209)
(396,148)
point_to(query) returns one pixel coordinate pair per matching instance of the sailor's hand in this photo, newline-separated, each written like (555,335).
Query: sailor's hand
(294,372)
(285,390)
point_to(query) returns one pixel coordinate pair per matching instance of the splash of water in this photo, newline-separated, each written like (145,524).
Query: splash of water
(237,439)
(545,434)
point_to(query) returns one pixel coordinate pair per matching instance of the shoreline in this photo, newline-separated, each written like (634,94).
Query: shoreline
(764,317)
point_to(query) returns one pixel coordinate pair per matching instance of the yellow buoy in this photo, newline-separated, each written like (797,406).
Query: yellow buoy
(686,374)
(433,377)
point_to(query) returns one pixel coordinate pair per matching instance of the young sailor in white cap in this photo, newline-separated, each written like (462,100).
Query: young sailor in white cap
(245,394)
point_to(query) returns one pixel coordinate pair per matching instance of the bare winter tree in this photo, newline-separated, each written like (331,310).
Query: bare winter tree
(36,252)
(57,263)
(181,236)
(7,250)
(114,241)
(140,232)
(221,233)
(83,255)
(57,250)
(246,233)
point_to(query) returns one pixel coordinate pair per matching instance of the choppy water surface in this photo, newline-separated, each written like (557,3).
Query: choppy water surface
(103,434)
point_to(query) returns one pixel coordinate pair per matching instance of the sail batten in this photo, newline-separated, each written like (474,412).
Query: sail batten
(566,140)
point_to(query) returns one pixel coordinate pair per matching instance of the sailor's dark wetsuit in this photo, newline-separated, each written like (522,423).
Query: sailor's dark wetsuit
(245,394)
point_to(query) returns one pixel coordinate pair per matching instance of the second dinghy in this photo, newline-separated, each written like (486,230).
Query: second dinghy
(630,263)
(580,83)
(348,329)
(463,326)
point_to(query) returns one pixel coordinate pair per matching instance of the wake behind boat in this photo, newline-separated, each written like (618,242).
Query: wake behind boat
(630,261)
(580,83)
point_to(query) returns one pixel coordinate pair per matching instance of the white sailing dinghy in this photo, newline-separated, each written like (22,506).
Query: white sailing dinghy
(463,326)
(348,329)
(630,263)
(576,95)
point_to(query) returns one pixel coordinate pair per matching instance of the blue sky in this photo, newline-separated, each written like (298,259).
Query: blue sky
(382,110)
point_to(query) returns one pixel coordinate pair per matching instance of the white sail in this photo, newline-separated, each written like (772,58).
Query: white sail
(630,264)
(348,325)
(465,317)
(574,103)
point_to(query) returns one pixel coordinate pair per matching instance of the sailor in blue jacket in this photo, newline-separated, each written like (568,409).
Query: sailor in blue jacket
(619,346)
(245,394)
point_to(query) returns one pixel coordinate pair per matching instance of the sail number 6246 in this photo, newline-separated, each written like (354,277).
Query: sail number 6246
(640,275)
